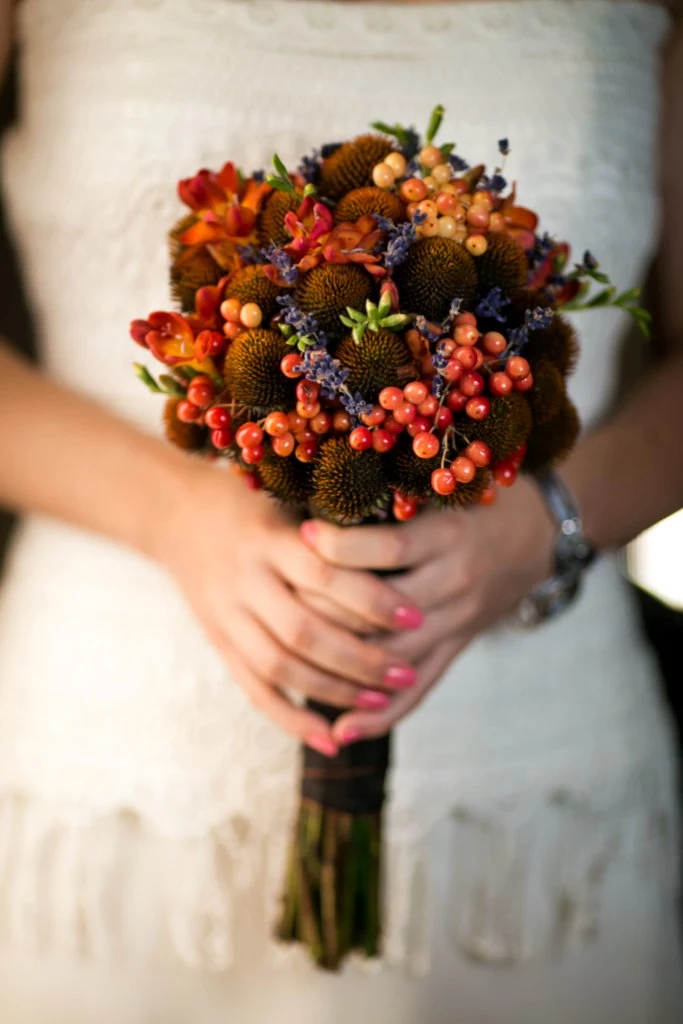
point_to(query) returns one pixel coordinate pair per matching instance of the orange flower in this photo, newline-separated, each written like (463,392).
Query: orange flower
(356,243)
(171,339)
(227,207)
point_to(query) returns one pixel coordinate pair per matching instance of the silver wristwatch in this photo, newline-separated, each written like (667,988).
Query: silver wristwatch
(573,554)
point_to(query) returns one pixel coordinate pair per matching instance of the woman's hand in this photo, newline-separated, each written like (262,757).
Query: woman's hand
(240,560)
(465,570)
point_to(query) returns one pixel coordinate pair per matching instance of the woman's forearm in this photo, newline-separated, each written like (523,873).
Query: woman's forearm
(628,474)
(64,456)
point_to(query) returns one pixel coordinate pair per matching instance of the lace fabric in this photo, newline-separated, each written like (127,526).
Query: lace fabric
(113,708)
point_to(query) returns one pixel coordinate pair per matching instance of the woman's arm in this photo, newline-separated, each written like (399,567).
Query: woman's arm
(466,570)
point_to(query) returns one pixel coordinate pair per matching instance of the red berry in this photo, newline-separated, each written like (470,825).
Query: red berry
(463,469)
(187,412)
(249,435)
(404,512)
(426,445)
(479,453)
(494,343)
(518,367)
(444,418)
(322,423)
(306,451)
(525,384)
(517,458)
(218,417)
(284,444)
(466,356)
(308,391)
(231,331)
(360,439)
(252,481)
(253,454)
(308,409)
(443,481)
(479,356)
(465,318)
(405,413)
(478,408)
(394,427)
(456,401)
(447,346)
(222,438)
(471,383)
(429,406)
(415,392)
(419,425)
(466,334)
(305,435)
(504,474)
(390,398)
(374,418)
(453,370)
(208,344)
(489,496)
(288,363)
(341,421)
(200,391)
(500,384)
(296,422)
(382,440)
(277,424)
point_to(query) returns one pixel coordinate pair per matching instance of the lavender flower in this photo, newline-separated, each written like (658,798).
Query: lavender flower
(283,261)
(355,405)
(492,305)
(589,261)
(425,329)
(534,320)
(399,238)
(310,165)
(251,254)
(319,366)
(498,183)
(438,384)
(304,324)
(259,176)
(504,147)
(457,162)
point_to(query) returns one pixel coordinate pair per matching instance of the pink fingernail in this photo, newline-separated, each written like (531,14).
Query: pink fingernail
(322,745)
(351,735)
(308,532)
(373,700)
(406,617)
(400,677)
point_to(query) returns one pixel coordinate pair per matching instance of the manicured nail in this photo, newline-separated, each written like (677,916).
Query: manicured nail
(351,735)
(308,532)
(322,745)
(373,700)
(400,677)
(406,617)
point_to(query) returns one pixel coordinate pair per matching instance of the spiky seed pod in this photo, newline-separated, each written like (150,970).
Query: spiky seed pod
(351,165)
(327,290)
(554,440)
(187,436)
(252,371)
(192,268)
(370,200)
(548,393)
(272,220)
(251,285)
(466,494)
(411,475)
(382,359)
(286,478)
(347,485)
(436,271)
(558,343)
(503,265)
(506,427)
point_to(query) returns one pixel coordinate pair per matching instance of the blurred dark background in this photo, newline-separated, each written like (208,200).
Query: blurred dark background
(663,625)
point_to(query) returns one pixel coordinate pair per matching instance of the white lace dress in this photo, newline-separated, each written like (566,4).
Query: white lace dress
(144,806)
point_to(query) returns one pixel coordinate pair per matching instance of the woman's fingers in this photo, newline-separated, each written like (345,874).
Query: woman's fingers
(324,645)
(367,598)
(297,721)
(359,725)
(381,547)
(281,669)
(327,607)
(440,625)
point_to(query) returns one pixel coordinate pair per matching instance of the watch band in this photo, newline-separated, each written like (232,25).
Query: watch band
(573,554)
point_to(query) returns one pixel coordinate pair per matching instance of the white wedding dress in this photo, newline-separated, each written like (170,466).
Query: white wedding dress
(144,805)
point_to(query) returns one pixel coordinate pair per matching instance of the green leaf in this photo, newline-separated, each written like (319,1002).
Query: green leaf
(384,304)
(286,329)
(627,297)
(447,149)
(395,322)
(602,298)
(186,372)
(370,308)
(310,190)
(279,184)
(171,386)
(358,333)
(598,276)
(143,374)
(347,321)
(356,314)
(280,167)
(434,124)
(643,323)
(397,131)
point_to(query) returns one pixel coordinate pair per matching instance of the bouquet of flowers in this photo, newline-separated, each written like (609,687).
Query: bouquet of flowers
(374,332)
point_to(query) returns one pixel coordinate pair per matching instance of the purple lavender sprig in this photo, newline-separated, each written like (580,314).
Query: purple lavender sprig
(282,261)
(400,237)
(492,306)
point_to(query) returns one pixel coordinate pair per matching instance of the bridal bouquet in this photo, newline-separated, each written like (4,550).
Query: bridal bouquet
(374,332)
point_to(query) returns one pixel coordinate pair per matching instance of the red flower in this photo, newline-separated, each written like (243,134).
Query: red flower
(171,339)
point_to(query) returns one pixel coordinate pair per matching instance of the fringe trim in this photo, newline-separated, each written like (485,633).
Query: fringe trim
(499,884)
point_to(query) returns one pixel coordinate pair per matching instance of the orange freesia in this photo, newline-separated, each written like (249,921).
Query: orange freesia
(171,340)
(227,207)
(356,243)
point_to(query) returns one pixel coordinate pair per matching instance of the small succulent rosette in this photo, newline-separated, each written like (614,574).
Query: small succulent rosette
(379,330)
